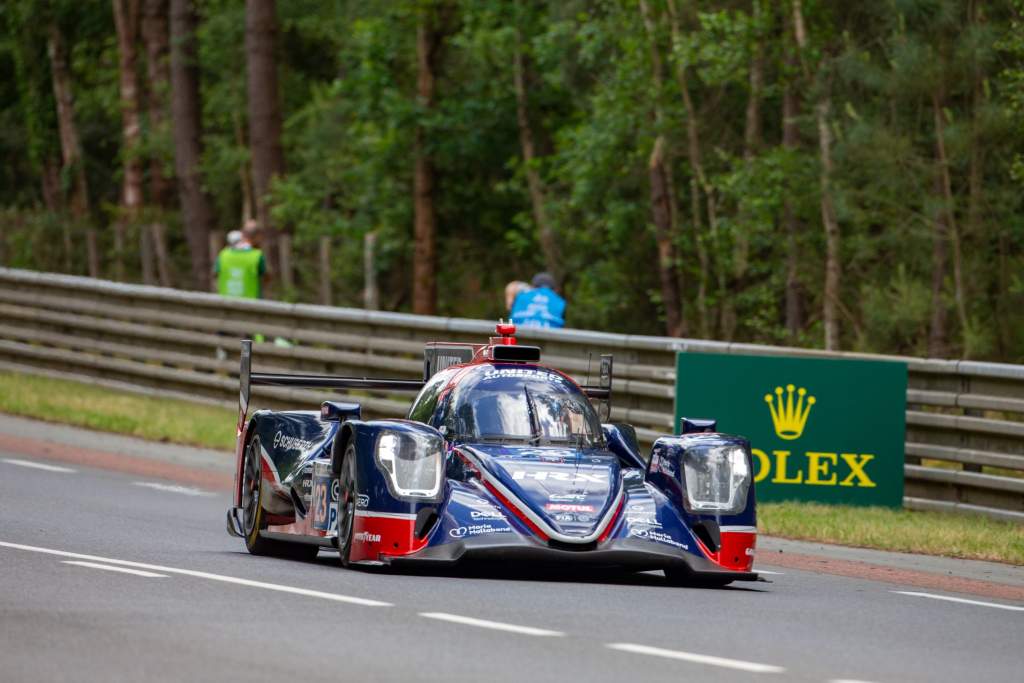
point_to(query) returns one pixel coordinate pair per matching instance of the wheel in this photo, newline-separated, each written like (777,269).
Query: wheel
(346,503)
(684,577)
(254,517)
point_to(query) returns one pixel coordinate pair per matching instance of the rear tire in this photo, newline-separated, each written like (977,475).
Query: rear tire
(686,578)
(346,504)
(254,517)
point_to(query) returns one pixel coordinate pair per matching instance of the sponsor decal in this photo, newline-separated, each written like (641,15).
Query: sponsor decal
(750,552)
(335,491)
(486,514)
(367,537)
(642,520)
(565,517)
(568,507)
(597,477)
(567,497)
(657,537)
(362,501)
(291,443)
(476,530)
(527,373)
(550,458)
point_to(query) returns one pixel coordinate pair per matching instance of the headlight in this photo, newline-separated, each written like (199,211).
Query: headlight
(717,479)
(412,463)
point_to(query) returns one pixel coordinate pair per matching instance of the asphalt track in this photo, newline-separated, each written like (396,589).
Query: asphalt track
(113,576)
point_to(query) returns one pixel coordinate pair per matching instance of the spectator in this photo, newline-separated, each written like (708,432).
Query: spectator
(540,306)
(512,290)
(240,267)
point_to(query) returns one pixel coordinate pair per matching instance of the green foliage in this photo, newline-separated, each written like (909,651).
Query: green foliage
(348,81)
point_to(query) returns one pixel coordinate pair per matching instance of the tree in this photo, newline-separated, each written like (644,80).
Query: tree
(429,38)
(188,148)
(265,127)
(126,19)
(161,185)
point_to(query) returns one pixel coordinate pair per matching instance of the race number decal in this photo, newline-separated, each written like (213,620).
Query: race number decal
(325,498)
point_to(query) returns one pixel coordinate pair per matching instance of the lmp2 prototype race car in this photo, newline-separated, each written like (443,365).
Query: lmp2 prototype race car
(499,458)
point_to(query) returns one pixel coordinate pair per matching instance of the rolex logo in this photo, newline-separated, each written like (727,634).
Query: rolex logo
(789,416)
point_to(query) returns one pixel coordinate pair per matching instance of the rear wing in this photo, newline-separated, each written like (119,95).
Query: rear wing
(247,379)
(602,393)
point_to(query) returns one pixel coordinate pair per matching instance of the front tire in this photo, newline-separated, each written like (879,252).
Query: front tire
(254,516)
(346,504)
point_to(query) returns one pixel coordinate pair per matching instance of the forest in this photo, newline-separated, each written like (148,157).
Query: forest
(817,173)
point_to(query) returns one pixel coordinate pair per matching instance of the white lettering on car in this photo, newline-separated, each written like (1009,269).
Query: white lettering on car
(546,475)
(289,443)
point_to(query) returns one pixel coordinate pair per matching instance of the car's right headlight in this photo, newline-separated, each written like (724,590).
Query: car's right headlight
(716,478)
(412,462)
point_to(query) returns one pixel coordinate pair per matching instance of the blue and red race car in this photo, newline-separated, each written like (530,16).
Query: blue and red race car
(499,458)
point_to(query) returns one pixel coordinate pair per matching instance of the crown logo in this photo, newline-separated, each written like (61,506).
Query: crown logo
(789,417)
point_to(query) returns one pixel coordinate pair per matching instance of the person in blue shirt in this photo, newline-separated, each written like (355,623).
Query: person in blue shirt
(540,306)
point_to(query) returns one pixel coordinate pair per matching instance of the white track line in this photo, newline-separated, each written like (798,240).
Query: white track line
(752,667)
(123,570)
(847,680)
(37,465)
(496,625)
(765,571)
(962,600)
(205,575)
(173,488)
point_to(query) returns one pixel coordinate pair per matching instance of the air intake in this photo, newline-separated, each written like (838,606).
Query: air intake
(508,353)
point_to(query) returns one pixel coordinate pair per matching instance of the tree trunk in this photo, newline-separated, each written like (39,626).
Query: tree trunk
(71,148)
(698,183)
(822,111)
(751,145)
(950,220)
(794,290)
(424,279)
(161,187)
(661,213)
(126,19)
(946,228)
(187,125)
(661,193)
(371,295)
(325,270)
(545,232)
(938,346)
(830,304)
(265,124)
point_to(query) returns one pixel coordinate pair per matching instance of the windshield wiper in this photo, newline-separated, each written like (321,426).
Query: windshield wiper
(534,427)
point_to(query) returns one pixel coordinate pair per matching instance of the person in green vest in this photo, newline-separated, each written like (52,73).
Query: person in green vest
(240,267)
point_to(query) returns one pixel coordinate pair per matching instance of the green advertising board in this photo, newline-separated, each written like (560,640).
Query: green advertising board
(820,430)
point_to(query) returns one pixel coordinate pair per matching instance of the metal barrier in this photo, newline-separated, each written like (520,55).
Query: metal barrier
(965,419)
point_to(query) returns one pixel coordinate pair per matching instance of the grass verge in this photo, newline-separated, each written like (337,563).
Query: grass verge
(123,412)
(160,419)
(931,533)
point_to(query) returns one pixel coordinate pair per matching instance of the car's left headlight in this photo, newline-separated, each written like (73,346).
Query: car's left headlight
(412,463)
(716,478)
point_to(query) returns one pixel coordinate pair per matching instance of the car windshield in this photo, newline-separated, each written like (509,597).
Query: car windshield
(523,405)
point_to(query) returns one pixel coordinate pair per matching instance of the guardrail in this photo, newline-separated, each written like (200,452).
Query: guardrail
(965,415)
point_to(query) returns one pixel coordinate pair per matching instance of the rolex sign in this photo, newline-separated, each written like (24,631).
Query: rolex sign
(821,430)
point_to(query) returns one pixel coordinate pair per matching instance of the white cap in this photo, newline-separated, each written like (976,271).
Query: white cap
(234,237)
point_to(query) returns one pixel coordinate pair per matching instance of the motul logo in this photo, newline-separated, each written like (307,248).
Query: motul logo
(544,475)
(567,507)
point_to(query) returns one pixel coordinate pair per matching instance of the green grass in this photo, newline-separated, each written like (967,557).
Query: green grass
(123,412)
(932,533)
(159,419)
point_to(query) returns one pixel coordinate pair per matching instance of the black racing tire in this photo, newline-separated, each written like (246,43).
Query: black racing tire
(346,504)
(254,516)
(683,577)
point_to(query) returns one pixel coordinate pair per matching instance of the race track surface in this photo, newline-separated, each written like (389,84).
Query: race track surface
(108,576)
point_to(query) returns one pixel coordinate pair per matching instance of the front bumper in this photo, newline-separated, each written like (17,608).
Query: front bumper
(631,554)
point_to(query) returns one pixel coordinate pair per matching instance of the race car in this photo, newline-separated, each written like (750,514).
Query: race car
(499,458)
